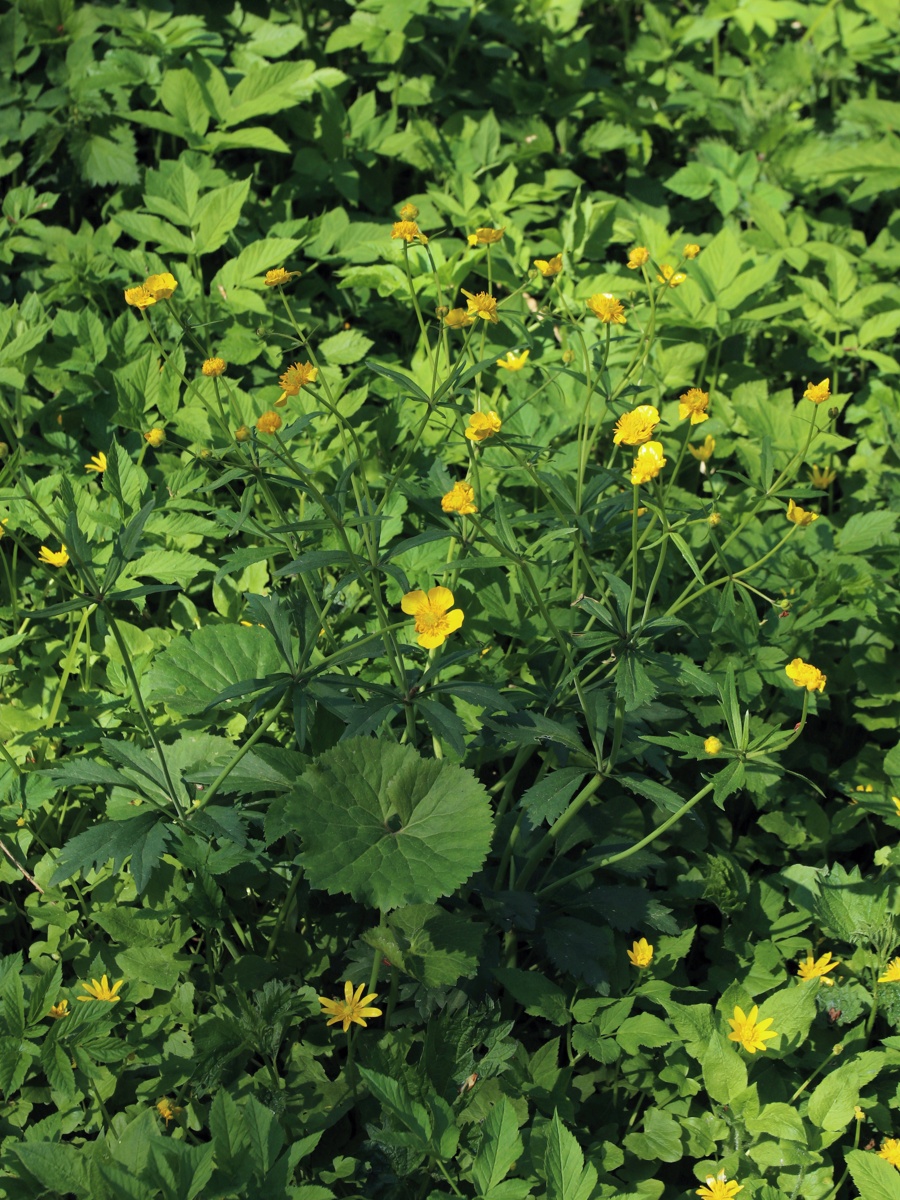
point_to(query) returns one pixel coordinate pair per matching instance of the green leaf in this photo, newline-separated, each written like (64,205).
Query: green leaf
(107,160)
(537,995)
(255,137)
(832,1102)
(865,530)
(58,1067)
(849,907)
(547,799)
(217,214)
(792,1010)
(661,1138)
(400,829)
(143,227)
(875,1178)
(724,1072)
(392,1094)
(142,837)
(59,1168)
(170,566)
(643,1030)
(345,348)
(196,668)
(434,946)
(182,96)
(567,1176)
(499,1148)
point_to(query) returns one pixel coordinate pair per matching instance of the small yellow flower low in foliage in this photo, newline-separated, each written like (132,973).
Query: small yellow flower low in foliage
(804,674)
(549,267)
(607,308)
(670,276)
(705,450)
(297,376)
(750,1033)
(436,618)
(693,403)
(279,277)
(890,1151)
(97,464)
(154,288)
(818,392)
(691,250)
(641,954)
(483,305)
(637,258)
(648,462)
(818,968)
(712,745)
(352,1010)
(167,1110)
(155,437)
(800,516)
(458,318)
(101,990)
(891,972)
(460,499)
(269,422)
(213,367)
(408,231)
(486,236)
(54,558)
(822,478)
(60,1010)
(513,361)
(483,425)
(719,1188)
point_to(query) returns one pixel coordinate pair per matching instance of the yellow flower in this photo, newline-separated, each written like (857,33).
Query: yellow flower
(161,286)
(718,1188)
(896,800)
(167,1110)
(460,499)
(693,403)
(751,1034)
(891,973)
(513,362)
(800,516)
(269,422)
(434,623)
(818,392)
(705,450)
(890,1151)
(278,277)
(636,426)
(858,1112)
(139,297)
(352,1009)
(691,250)
(408,212)
(155,437)
(805,675)
(101,990)
(714,518)
(483,425)
(3,525)
(637,257)
(818,968)
(607,308)
(213,367)
(458,318)
(97,464)
(54,558)
(822,477)
(482,305)
(408,231)
(549,267)
(712,745)
(242,433)
(60,1010)
(485,236)
(671,276)
(294,378)
(864,787)
(648,463)
(641,954)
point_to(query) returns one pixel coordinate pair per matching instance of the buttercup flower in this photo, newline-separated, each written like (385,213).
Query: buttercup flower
(818,392)
(712,745)
(714,518)
(858,1112)
(637,257)
(691,250)
(482,305)
(269,422)
(483,425)
(161,286)
(485,236)
(693,403)
(97,464)
(805,675)
(822,478)
(54,558)
(705,450)
(549,267)
(242,433)
(167,1110)
(891,972)
(139,297)
(670,276)
(59,1010)
(434,623)
(636,426)
(818,968)
(278,276)
(641,954)
(607,308)
(408,212)
(513,362)
(800,516)
(408,231)
(295,377)
(155,437)
(213,367)
(458,318)
(648,463)
(718,1188)
(896,800)
(460,499)
(890,1151)
(751,1034)
(102,990)
(352,1009)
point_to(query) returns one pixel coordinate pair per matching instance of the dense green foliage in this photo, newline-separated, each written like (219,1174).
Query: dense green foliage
(235,777)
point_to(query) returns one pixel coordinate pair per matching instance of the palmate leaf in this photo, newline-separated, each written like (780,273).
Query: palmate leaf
(142,837)
(386,825)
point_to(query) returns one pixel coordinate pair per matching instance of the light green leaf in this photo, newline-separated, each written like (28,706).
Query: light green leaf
(393,1095)
(792,1011)
(217,214)
(400,829)
(567,1176)
(181,96)
(724,1071)
(661,1138)
(169,566)
(344,348)
(59,1168)
(197,667)
(499,1148)
(643,1030)
(256,137)
(874,1176)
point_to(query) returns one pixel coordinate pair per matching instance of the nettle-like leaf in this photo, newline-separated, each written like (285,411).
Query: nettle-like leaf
(193,670)
(386,825)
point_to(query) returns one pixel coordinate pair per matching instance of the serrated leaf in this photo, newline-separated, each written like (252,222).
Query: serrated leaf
(59,1168)
(499,1148)
(115,840)
(724,1071)
(875,1178)
(196,668)
(394,1096)
(400,829)
(567,1176)
(547,799)
(217,214)
(537,995)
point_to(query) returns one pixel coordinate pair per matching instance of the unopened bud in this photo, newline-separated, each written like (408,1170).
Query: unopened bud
(568,356)
(833,412)
(242,434)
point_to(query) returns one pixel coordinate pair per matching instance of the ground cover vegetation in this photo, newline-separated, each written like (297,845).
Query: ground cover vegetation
(449,486)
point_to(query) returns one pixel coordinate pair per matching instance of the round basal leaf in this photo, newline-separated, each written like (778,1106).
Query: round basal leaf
(388,826)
